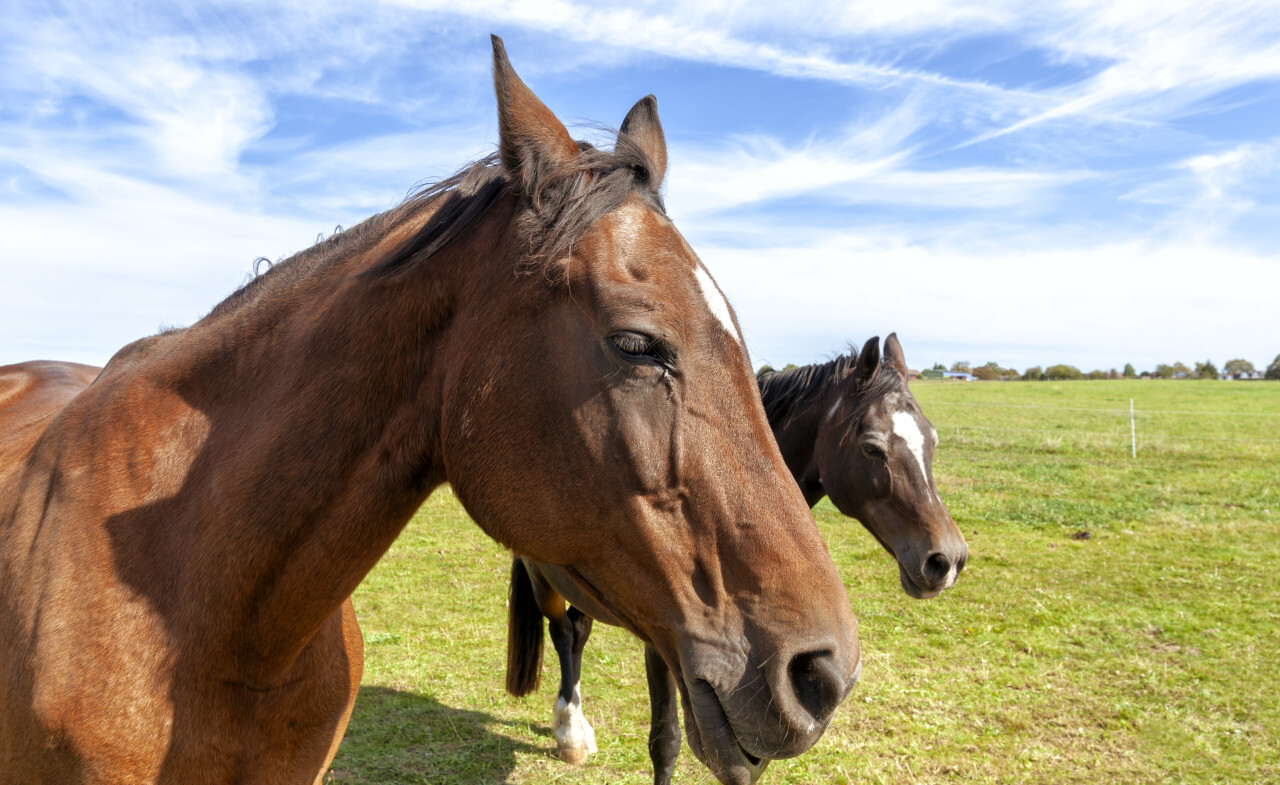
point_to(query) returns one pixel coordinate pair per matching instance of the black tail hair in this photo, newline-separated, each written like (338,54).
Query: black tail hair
(524,633)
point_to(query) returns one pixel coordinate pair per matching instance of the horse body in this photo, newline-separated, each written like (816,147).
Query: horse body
(179,539)
(176,578)
(849,429)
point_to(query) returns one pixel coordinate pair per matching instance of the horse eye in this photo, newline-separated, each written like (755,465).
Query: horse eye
(631,344)
(874,451)
(634,345)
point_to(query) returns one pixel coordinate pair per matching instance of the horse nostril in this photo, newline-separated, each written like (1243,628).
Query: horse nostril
(936,568)
(817,682)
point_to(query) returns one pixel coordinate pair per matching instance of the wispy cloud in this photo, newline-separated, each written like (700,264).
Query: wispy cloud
(969,167)
(1161,58)
(1092,305)
(738,34)
(756,172)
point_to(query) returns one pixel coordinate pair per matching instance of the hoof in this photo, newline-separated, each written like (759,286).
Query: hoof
(573,754)
(575,738)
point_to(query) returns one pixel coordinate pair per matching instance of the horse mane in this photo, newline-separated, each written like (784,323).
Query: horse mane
(561,204)
(787,394)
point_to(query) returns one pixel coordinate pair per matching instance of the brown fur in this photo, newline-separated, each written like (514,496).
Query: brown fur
(179,539)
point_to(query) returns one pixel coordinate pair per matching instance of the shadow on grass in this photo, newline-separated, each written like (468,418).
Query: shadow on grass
(404,737)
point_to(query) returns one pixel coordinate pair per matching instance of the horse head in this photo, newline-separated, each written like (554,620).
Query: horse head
(878,468)
(608,422)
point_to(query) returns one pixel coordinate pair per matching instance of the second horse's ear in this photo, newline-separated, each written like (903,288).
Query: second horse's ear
(531,140)
(868,360)
(893,355)
(643,127)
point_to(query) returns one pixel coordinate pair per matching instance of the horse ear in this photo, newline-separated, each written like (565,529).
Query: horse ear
(644,128)
(893,354)
(531,141)
(868,359)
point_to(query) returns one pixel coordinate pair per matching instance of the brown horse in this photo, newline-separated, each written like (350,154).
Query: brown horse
(849,429)
(179,540)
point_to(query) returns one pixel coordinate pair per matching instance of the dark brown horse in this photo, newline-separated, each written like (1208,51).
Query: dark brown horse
(179,540)
(849,429)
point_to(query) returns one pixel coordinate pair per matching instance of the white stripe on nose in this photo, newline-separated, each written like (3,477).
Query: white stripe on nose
(906,428)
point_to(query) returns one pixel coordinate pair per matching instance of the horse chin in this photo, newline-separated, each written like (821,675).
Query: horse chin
(912,589)
(713,740)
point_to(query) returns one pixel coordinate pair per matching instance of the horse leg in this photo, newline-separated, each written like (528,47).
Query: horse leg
(664,728)
(575,738)
(581,632)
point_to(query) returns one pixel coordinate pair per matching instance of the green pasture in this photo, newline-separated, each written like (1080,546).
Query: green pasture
(1119,620)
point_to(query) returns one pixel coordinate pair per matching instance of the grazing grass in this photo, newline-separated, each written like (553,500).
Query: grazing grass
(1119,620)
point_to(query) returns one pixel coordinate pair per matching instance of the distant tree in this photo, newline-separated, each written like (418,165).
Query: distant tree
(789,366)
(1033,374)
(1129,373)
(1145,374)
(766,368)
(960,366)
(1010,374)
(986,374)
(938,367)
(1238,367)
(1114,374)
(1058,373)
(1096,375)
(1172,371)
(1273,370)
(1206,370)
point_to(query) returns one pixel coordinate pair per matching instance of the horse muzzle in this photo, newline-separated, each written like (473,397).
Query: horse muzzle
(936,573)
(777,708)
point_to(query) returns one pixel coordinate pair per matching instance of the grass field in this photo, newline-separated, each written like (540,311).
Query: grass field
(1119,619)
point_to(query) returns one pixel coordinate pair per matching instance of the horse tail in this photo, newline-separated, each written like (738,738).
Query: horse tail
(524,633)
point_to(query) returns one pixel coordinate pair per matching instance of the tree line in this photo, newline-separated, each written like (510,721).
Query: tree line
(1205,370)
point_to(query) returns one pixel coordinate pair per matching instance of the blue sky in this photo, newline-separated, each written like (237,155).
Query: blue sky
(1092,183)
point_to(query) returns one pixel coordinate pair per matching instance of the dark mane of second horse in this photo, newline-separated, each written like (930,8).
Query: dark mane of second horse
(786,394)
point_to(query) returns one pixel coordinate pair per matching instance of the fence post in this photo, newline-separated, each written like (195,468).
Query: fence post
(1133,430)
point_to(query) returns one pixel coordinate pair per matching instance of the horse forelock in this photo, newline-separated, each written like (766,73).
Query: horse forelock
(883,383)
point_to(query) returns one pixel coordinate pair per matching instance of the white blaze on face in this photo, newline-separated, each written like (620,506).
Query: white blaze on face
(715,300)
(906,428)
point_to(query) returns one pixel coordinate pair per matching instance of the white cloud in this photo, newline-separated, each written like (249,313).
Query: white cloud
(1209,192)
(85,277)
(1088,305)
(1220,173)
(1150,60)
(1159,58)
(191,117)
(166,213)
(720,33)
(753,171)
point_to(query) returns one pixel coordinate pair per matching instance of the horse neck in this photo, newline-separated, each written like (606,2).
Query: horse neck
(797,422)
(319,406)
